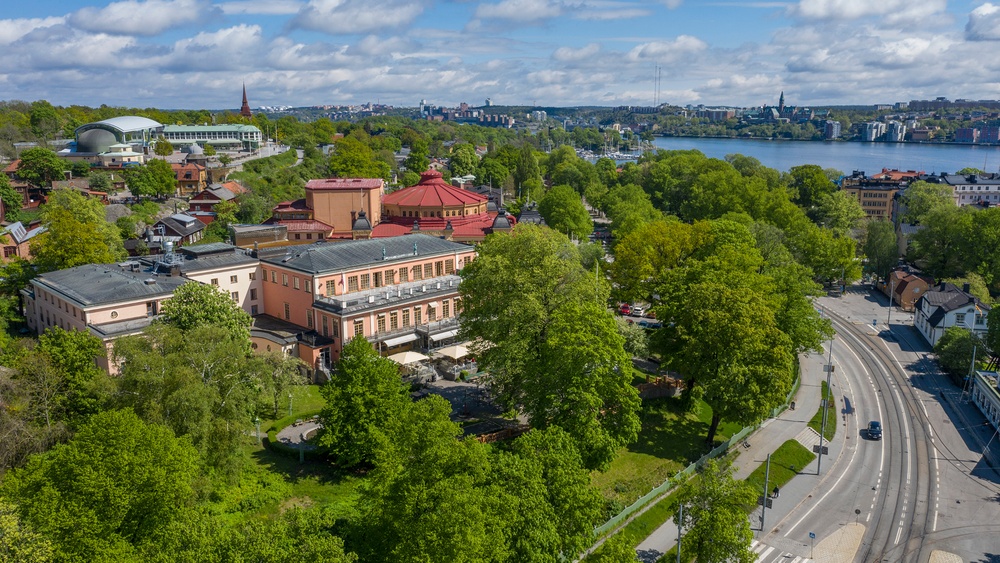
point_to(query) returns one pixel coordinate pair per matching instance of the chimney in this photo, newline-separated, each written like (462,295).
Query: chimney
(175,270)
(966,287)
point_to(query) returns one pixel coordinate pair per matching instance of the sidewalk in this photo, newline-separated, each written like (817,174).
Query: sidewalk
(772,433)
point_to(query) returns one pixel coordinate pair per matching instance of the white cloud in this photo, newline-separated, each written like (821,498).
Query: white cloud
(613,14)
(262,7)
(135,17)
(12,30)
(569,54)
(519,10)
(984,23)
(356,16)
(667,51)
(890,11)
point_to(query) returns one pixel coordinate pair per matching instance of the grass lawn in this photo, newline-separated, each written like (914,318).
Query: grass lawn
(310,483)
(305,399)
(669,440)
(790,458)
(831,415)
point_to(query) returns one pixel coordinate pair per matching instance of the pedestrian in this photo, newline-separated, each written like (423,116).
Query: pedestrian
(775,495)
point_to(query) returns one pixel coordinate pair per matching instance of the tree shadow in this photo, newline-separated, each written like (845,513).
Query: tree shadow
(668,432)
(316,467)
(989,558)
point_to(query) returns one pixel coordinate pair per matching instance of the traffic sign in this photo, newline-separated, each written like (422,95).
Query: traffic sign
(812,535)
(874,322)
(826,450)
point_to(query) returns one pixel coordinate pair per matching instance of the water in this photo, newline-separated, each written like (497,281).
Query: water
(846,157)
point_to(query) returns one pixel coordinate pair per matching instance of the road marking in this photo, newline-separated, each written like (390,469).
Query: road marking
(764,554)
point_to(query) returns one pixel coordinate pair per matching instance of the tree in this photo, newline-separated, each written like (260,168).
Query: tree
(108,492)
(617,549)
(556,351)
(880,247)
(921,198)
(526,166)
(464,159)
(992,339)
(492,172)
(77,233)
(352,158)
(954,351)
(99,181)
(163,147)
(636,339)
(977,286)
(40,166)
(225,159)
(629,207)
(645,253)
(940,245)
(195,305)
(19,543)
(282,374)
(365,392)
(563,211)
(417,161)
(715,506)
(808,184)
(11,200)
(155,178)
(840,212)
(210,150)
(73,354)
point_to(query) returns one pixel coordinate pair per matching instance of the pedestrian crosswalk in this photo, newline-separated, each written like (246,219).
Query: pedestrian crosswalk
(769,554)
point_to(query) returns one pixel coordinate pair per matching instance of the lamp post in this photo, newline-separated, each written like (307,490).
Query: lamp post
(892,289)
(828,368)
(289,404)
(680,522)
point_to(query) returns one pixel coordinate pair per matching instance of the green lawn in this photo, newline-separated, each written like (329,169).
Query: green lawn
(305,399)
(831,415)
(669,441)
(790,458)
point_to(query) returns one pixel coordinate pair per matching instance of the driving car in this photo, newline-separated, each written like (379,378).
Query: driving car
(875,430)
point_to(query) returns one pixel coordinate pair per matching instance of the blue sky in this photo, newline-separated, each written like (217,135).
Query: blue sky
(196,53)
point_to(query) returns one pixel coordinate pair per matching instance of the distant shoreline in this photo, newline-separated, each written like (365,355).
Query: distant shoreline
(783,140)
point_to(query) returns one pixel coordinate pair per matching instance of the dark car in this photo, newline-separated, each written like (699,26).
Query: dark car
(875,430)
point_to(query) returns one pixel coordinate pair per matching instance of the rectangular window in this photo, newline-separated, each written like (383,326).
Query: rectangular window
(377,279)
(960,318)
(284,280)
(295,282)
(359,328)
(404,275)
(253,294)
(458,306)
(9,251)
(449,266)
(416,273)
(466,261)
(390,277)
(215,281)
(445,309)
(326,326)
(431,314)
(380,323)
(309,318)
(274,278)
(416,315)
(406,318)
(307,285)
(428,270)
(331,288)
(288,313)
(365,281)
(393,320)
(980,320)
(253,276)
(236,297)
(336,329)
(439,268)
(253,310)
(352,283)
(232,279)
(150,308)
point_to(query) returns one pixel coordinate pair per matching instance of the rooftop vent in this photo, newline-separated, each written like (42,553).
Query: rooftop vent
(149,281)
(371,298)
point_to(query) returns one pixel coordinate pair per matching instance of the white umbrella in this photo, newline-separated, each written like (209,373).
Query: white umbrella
(408,357)
(455,351)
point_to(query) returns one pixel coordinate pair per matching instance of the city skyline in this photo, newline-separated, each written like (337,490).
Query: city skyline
(189,54)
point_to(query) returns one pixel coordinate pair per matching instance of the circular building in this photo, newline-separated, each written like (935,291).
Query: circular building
(98,137)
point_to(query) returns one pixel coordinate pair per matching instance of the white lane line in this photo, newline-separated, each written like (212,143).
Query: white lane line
(899,532)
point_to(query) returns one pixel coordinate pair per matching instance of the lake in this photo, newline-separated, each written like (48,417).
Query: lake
(846,157)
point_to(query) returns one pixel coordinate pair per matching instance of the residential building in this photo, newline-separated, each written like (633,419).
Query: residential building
(203,204)
(967,135)
(330,208)
(906,288)
(188,228)
(945,306)
(895,132)
(15,239)
(831,130)
(397,292)
(876,195)
(986,395)
(974,189)
(191,178)
(873,131)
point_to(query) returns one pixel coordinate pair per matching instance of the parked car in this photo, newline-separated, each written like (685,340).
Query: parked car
(625,309)
(874,430)
(638,311)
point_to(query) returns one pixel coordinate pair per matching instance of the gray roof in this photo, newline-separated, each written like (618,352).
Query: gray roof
(20,234)
(101,284)
(946,297)
(380,298)
(981,180)
(201,257)
(335,256)
(182,224)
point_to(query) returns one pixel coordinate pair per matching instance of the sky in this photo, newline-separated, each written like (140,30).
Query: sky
(196,54)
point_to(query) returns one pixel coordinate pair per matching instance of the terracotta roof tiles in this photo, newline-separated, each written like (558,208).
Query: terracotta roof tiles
(432,191)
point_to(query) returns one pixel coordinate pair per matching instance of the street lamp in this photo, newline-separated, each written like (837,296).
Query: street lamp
(828,368)
(289,404)
(892,289)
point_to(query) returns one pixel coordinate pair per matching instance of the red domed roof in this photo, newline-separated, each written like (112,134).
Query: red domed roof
(432,191)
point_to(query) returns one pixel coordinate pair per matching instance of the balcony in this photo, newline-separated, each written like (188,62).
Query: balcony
(384,297)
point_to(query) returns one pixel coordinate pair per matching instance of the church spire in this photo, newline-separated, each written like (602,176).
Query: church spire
(781,101)
(245,108)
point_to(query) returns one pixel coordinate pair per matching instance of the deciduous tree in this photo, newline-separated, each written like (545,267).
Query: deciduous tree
(880,247)
(714,522)
(563,211)
(77,233)
(40,166)
(195,305)
(12,201)
(163,147)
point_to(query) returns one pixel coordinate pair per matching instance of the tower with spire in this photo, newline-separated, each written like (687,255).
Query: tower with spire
(245,108)
(781,100)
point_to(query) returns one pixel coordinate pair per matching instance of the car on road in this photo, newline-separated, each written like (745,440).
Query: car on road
(625,309)
(638,311)
(874,430)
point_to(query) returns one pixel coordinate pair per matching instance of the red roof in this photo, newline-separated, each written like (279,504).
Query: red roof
(432,191)
(13,166)
(235,187)
(297,205)
(386,230)
(345,184)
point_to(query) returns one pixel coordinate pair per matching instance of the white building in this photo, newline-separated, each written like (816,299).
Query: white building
(874,131)
(945,306)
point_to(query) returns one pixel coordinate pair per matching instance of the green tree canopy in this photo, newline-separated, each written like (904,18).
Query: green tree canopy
(352,158)
(19,543)
(808,184)
(196,304)
(714,522)
(363,396)
(77,233)
(880,247)
(840,212)
(163,147)
(556,351)
(10,198)
(40,166)
(563,211)
(954,351)
(155,178)
(921,198)
(417,161)
(108,493)
(464,160)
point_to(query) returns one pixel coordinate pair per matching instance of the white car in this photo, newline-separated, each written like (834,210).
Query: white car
(638,311)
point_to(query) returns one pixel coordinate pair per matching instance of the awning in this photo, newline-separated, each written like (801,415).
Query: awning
(433,304)
(400,340)
(443,335)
